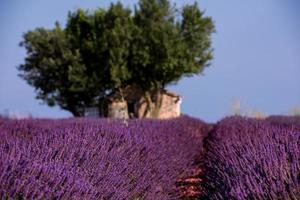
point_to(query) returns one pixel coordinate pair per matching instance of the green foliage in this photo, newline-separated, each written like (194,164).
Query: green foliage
(52,67)
(103,51)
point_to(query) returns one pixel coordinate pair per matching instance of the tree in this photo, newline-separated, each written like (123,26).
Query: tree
(101,52)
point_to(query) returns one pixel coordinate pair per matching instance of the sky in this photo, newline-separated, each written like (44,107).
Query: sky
(256,57)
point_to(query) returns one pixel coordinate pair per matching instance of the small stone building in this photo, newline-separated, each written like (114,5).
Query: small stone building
(133,104)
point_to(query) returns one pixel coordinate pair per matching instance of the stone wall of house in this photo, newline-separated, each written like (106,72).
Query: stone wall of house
(133,104)
(169,108)
(117,110)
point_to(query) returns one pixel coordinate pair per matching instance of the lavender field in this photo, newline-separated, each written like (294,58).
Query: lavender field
(96,158)
(253,159)
(240,158)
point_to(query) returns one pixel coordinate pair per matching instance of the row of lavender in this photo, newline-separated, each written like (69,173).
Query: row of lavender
(253,159)
(96,158)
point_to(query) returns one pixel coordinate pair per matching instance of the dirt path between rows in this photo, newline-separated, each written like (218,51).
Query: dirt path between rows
(190,185)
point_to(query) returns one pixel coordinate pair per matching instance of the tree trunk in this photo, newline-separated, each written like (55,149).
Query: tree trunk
(157,104)
(149,107)
(77,113)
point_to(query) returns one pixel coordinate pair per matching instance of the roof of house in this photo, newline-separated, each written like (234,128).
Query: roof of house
(134,93)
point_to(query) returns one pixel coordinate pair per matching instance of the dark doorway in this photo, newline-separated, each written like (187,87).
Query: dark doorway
(131,110)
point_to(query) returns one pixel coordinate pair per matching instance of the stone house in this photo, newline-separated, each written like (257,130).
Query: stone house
(133,104)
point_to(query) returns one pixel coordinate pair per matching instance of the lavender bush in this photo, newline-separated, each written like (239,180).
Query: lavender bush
(96,158)
(285,121)
(252,159)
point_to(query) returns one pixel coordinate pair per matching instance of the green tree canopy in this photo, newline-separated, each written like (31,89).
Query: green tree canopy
(102,51)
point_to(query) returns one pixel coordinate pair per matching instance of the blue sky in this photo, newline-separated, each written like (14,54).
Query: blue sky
(257,48)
